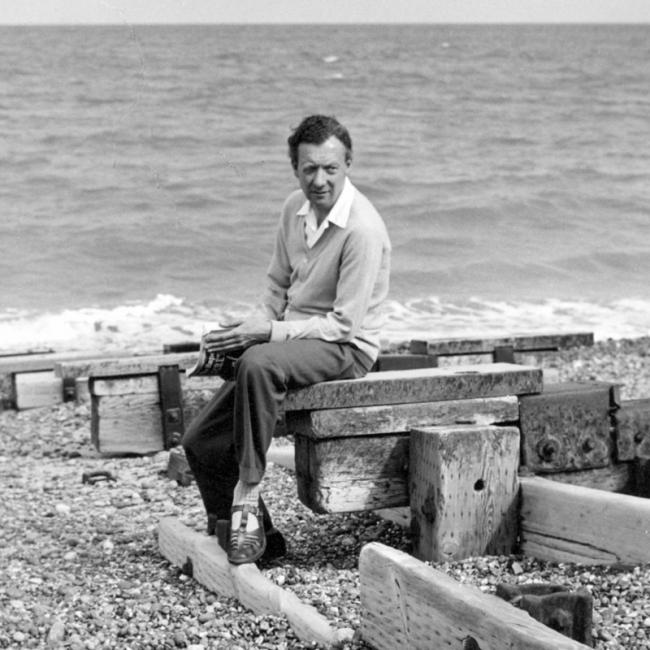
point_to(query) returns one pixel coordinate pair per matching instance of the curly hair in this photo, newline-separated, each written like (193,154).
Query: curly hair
(316,129)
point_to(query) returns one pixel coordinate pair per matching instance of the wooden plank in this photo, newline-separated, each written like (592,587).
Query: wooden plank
(401,418)
(25,353)
(463,491)
(612,478)
(127,424)
(622,477)
(567,426)
(377,388)
(419,385)
(37,389)
(132,423)
(40,362)
(569,523)
(145,384)
(519,343)
(365,472)
(351,474)
(210,567)
(408,604)
(123,366)
(632,422)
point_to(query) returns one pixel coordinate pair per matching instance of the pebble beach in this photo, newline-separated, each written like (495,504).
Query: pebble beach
(82,570)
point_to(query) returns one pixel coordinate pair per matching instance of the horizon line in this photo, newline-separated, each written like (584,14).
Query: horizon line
(325,23)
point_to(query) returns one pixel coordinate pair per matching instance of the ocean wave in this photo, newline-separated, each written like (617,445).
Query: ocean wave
(148,325)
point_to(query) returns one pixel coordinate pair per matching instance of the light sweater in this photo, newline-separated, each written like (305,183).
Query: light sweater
(334,290)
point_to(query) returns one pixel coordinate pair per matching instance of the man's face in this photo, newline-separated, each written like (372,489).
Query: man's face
(321,172)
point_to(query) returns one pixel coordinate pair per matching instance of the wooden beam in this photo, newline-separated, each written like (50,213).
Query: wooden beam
(419,385)
(632,423)
(146,384)
(569,523)
(131,423)
(123,366)
(613,478)
(622,477)
(519,343)
(350,474)
(209,564)
(400,418)
(37,389)
(463,491)
(408,604)
(40,362)
(366,466)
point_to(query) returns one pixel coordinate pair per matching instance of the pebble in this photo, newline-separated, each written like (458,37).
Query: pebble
(119,592)
(62,509)
(56,633)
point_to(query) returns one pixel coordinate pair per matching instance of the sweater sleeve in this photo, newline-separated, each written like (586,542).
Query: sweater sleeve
(278,278)
(360,264)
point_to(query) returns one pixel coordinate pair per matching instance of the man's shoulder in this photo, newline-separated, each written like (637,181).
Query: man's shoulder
(363,213)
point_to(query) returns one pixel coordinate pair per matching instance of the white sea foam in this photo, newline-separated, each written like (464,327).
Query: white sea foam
(147,326)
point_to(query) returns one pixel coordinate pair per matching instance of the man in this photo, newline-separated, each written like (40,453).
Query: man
(327,279)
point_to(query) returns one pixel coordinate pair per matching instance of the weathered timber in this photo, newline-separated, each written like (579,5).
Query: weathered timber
(366,466)
(408,604)
(146,384)
(612,478)
(519,343)
(127,404)
(632,423)
(349,474)
(148,364)
(419,385)
(124,366)
(26,353)
(36,389)
(568,426)
(401,418)
(40,362)
(13,366)
(463,491)
(130,421)
(626,478)
(208,564)
(569,523)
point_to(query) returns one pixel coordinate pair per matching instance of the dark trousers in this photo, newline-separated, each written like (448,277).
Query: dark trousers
(229,438)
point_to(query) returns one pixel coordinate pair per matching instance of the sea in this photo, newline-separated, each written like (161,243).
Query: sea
(143,168)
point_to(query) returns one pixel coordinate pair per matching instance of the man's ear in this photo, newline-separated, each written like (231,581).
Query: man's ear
(348,159)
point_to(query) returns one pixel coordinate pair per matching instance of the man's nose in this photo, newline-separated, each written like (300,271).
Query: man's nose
(320,178)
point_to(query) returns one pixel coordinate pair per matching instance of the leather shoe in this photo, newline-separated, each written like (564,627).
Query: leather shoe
(276,546)
(246,546)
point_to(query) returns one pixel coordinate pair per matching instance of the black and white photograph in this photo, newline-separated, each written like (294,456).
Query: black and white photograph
(325,325)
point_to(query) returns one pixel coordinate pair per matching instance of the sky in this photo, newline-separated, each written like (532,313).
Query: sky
(331,11)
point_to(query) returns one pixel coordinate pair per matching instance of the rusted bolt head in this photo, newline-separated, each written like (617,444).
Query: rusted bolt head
(547,450)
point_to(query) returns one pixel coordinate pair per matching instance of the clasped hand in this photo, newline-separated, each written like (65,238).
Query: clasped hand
(243,335)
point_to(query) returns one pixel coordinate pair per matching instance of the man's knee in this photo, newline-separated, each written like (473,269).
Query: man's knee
(257,360)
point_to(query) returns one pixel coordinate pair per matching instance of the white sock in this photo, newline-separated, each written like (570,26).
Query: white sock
(246,494)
